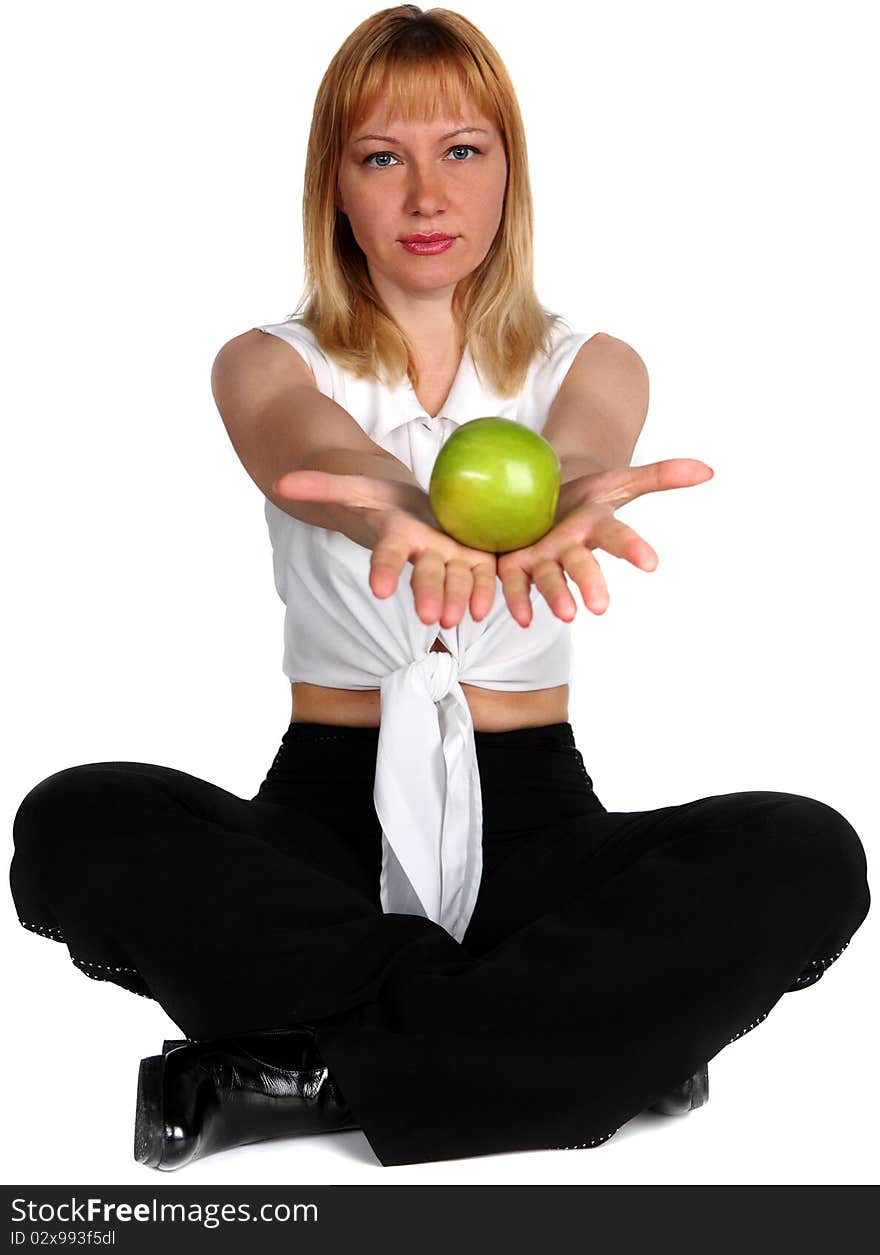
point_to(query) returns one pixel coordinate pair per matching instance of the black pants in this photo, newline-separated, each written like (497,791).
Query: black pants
(610,954)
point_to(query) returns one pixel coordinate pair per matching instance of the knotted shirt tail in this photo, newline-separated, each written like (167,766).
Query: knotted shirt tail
(427,795)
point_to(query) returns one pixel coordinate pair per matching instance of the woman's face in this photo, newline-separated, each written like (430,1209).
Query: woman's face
(419,178)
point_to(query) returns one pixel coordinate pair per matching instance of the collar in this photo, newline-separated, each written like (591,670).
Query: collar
(468,399)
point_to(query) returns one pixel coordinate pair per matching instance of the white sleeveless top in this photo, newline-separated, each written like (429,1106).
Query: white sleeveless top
(338,634)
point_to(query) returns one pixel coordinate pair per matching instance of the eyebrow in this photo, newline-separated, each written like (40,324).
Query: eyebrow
(391,140)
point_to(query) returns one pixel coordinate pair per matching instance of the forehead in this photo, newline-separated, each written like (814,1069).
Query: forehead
(378,123)
(409,104)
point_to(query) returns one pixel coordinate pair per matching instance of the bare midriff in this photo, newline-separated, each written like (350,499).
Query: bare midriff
(492,710)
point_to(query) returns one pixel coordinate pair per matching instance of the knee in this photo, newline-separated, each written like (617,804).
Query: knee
(819,842)
(56,806)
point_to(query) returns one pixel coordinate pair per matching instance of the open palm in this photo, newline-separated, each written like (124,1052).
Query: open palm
(447,577)
(585,521)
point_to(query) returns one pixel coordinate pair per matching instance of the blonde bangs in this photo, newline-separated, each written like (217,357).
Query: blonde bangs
(419,87)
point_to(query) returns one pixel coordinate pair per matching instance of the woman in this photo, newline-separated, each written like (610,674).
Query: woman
(426,924)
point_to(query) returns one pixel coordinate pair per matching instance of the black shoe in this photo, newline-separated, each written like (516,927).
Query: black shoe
(197,1098)
(693,1092)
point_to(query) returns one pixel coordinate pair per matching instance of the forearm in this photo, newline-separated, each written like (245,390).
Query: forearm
(573,467)
(599,411)
(353,521)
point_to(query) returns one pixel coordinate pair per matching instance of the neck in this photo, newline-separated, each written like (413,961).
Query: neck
(427,321)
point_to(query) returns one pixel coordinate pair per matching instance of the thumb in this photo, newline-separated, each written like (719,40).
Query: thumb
(365,492)
(322,486)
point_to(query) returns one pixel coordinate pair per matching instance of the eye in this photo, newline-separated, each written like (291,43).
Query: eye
(385,166)
(367,160)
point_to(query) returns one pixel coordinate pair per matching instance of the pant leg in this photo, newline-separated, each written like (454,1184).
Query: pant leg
(234,914)
(610,955)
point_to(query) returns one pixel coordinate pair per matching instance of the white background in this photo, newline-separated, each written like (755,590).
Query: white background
(703,185)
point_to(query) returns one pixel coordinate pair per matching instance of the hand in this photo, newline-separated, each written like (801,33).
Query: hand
(446,577)
(585,521)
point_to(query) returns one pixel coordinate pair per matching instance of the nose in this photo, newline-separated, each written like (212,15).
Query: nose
(425,191)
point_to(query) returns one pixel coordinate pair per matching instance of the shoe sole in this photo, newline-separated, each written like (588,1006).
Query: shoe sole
(700,1092)
(149,1117)
(687,1097)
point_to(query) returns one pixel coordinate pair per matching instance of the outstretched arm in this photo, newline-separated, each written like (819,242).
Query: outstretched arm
(599,411)
(594,425)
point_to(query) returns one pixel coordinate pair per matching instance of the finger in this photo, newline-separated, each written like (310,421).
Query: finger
(548,576)
(670,473)
(515,583)
(622,541)
(674,473)
(583,568)
(386,563)
(619,486)
(427,582)
(355,491)
(485,579)
(459,584)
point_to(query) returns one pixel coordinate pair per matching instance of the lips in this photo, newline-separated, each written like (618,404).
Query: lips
(429,248)
(433,238)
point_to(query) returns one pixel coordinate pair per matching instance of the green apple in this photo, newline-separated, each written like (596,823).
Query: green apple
(495,485)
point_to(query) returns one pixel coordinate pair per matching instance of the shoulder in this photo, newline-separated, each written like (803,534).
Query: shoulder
(256,362)
(571,354)
(608,350)
(607,377)
(269,348)
(602,363)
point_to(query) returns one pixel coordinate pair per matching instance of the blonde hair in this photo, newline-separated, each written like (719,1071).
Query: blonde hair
(435,58)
